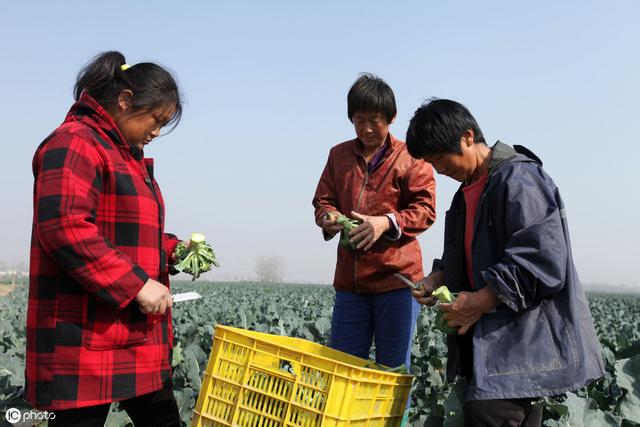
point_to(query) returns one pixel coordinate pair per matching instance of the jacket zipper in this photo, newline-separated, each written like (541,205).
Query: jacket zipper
(364,184)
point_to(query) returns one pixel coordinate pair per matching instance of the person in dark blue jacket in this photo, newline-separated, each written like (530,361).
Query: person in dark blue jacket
(525,330)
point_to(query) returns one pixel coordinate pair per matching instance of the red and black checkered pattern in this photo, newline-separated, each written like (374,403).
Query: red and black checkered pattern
(98,235)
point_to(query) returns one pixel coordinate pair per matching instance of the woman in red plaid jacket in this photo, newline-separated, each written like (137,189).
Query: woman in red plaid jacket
(99,324)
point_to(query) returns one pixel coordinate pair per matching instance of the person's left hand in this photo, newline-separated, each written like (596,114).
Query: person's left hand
(367,233)
(468,307)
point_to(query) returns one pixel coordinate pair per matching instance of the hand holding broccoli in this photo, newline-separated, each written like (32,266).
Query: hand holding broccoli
(370,229)
(424,288)
(195,258)
(334,222)
(329,224)
(467,308)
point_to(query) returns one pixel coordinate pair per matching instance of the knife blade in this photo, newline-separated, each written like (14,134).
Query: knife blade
(185,296)
(406,281)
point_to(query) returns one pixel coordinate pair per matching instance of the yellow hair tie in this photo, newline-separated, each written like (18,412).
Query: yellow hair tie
(125,67)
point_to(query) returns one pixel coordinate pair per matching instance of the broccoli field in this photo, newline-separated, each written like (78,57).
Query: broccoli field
(305,311)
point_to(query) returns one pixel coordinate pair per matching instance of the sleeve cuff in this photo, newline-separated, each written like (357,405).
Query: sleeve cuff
(327,236)
(142,278)
(499,291)
(394,232)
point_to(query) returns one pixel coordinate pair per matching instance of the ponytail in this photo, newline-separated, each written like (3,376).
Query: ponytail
(107,75)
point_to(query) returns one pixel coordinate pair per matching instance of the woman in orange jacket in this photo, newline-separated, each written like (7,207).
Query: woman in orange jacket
(373,179)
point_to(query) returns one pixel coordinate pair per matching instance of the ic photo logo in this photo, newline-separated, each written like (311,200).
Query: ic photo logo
(15,416)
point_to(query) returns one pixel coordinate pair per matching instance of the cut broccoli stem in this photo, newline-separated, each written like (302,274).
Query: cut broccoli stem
(195,259)
(444,296)
(347,225)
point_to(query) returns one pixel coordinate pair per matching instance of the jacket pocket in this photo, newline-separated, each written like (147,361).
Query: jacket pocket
(111,329)
(518,343)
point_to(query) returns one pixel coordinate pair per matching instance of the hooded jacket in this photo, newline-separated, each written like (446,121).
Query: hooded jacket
(541,340)
(98,236)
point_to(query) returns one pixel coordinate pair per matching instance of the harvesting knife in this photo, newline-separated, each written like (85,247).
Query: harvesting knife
(185,296)
(406,281)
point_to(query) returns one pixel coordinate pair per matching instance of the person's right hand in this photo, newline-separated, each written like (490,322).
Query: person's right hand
(154,298)
(329,224)
(426,286)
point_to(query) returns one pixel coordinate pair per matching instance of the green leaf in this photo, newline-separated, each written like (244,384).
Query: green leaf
(199,354)
(177,357)
(628,378)
(186,401)
(192,368)
(562,422)
(117,418)
(453,404)
(633,349)
(585,413)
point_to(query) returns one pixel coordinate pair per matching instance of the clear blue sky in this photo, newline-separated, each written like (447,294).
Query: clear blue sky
(265,86)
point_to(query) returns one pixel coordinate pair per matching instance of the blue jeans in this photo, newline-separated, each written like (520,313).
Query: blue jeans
(388,317)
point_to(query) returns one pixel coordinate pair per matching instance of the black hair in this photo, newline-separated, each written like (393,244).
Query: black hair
(370,93)
(152,86)
(437,126)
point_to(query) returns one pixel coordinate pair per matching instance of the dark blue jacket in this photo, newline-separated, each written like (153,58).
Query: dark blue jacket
(540,341)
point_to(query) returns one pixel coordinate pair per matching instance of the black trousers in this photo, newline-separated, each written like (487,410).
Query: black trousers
(502,413)
(157,409)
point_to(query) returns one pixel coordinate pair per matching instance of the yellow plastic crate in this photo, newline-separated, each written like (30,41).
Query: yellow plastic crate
(262,380)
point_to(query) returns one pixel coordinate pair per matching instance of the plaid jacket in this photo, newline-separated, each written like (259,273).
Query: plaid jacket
(400,185)
(97,237)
